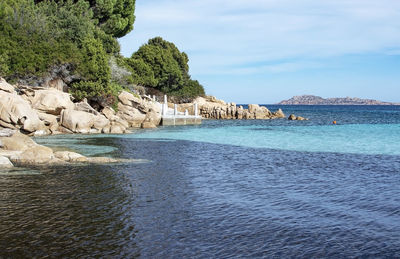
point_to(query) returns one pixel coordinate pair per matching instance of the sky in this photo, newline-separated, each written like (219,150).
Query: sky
(265,51)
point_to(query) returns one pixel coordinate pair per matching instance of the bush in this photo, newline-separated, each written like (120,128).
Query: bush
(189,92)
(87,89)
(159,64)
(94,62)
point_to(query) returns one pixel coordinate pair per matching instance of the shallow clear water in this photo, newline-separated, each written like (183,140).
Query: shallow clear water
(223,189)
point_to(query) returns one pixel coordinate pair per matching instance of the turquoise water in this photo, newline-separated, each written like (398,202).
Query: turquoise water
(373,130)
(358,138)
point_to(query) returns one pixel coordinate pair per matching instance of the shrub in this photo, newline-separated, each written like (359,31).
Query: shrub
(159,64)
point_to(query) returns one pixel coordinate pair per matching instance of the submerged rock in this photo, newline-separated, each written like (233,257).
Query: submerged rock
(70,156)
(17,142)
(293,117)
(35,155)
(102,160)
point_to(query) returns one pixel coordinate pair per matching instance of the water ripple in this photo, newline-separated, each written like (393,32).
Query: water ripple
(201,200)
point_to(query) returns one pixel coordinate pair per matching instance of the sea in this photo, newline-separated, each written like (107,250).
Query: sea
(223,189)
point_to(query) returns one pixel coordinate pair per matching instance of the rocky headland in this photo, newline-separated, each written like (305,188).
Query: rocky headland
(212,108)
(316,100)
(36,111)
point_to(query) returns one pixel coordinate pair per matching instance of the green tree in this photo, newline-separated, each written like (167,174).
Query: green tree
(169,67)
(142,73)
(37,36)
(115,17)
(94,62)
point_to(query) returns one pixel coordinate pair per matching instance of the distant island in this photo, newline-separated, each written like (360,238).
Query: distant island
(317,100)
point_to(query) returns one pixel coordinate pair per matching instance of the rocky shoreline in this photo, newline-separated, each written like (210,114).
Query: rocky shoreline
(19,150)
(36,111)
(212,108)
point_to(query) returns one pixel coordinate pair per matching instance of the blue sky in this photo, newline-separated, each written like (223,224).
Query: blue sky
(264,51)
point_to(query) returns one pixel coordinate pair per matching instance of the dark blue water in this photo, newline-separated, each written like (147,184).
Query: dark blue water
(198,199)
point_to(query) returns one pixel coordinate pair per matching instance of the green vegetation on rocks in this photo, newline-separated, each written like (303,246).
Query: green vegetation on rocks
(78,40)
(160,64)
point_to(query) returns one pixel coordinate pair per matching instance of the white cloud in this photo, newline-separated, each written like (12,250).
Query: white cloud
(221,35)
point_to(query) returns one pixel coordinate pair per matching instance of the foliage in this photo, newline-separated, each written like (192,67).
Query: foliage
(142,73)
(192,89)
(98,94)
(160,64)
(114,17)
(87,89)
(4,64)
(36,36)
(94,63)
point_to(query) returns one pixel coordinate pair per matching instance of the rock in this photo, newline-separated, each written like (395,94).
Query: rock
(49,121)
(152,106)
(54,161)
(293,117)
(9,153)
(253,108)
(17,142)
(52,101)
(136,102)
(100,122)
(15,112)
(39,133)
(7,125)
(4,86)
(153,117)
(70,156)
(56,83)
(118,125)
(212,108)
(7,132)
(5,162)
(85,107)
(148,125)
(261,113)
(117,129)
(35,155)
(132,115)
(121,122)
(299,118)
(77,121)
(83,122)
(128,98)
(108,112)
(63,130)
(239,113)
(279,114)
(101,160)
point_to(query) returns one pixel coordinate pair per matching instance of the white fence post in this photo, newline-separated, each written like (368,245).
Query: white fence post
(196,110)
